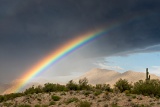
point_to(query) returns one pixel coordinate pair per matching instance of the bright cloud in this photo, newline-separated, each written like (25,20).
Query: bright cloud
(155,70)
(105,66)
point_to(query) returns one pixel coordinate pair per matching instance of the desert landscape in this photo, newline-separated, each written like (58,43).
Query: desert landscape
(90,91)
(104,76)
(79,53)
(83,99)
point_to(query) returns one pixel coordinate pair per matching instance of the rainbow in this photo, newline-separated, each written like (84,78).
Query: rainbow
(56,55)
(66,49)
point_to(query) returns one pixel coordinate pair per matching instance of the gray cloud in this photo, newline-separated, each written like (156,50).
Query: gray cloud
(30,29)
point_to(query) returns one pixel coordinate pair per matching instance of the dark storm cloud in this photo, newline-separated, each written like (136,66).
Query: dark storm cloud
(30,29)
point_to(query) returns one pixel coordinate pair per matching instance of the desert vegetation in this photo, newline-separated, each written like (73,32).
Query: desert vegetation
(144,93)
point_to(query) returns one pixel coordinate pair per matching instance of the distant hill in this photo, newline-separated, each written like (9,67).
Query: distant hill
(94,76)
(12,86)
(102,76)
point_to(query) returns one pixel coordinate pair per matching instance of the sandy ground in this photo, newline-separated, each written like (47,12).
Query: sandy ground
(105,99)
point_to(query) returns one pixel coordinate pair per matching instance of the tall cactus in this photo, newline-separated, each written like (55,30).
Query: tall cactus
(147,74)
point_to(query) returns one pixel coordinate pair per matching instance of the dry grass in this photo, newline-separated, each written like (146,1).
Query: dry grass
(72,99)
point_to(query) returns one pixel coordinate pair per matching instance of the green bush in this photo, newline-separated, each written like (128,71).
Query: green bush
(52,103)
(122,85)
(1,98)
(127,92)
(134,97)
(37,105)
(86,93)
(33,90)
(44,105)
(49,87)
(72,86)
(151,87)
(115,105)
(63,93)
(56,98)
(7,104)
(74,99)
(10,96)
(97,92)
(24,105)
(83,84)
(84,104)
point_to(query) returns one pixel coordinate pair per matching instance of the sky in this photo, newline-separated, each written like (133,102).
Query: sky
(32,29)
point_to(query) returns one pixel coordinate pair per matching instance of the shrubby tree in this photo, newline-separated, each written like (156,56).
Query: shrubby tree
(71,85)
(60,87)
(33,90)
(151,87)
(38,89)
(1,98)
(122,85)
(49,87)
(83,84)
(30,90)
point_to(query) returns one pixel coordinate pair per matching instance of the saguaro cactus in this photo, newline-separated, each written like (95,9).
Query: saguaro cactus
(147,74)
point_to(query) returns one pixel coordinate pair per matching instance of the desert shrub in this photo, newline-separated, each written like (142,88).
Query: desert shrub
(29,90)
(152,104)
(84,104)
(122,85)
(7,104)
(52,103)
(38,89)
(127,92)
(33,90)
(105,105)
(44,105)
(72,85)
(63,93)
(56,98)
(60,87)
(86,93)
(114,105)
(83,84)
(133,96)
(104,87)
(1,98)
(24,105)
(151,87)
(10,96)
(37,105)
(97,92)
(39,99)
(49,87)
(70,100)
(158,103)
(139,105)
